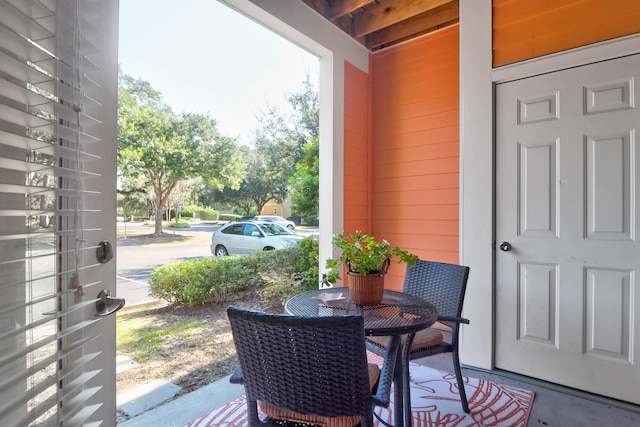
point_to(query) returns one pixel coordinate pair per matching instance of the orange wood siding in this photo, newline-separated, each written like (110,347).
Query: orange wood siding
(524,29)
(356,150)
(415,143)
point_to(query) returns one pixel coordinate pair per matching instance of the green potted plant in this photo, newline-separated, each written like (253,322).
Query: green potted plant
(366,261)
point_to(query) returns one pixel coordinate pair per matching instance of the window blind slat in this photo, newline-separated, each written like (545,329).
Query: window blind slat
(14,88)
(19,114)
(35,190)
(70,134)
(21,71)
(22,48)
(33,9)
(18,22)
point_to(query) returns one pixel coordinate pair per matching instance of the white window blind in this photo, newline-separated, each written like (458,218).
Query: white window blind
(49,107)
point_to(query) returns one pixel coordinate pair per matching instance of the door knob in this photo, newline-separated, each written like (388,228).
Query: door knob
(104,252)
(505,246)
(107,304)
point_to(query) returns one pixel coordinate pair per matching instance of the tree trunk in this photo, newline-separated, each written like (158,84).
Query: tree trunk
(159,212)
(158,227)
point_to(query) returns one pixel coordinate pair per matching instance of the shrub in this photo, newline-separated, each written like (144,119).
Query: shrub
(280,287)
(210,280)
(188,211)
(230,217)
(209,214)
(181,224)
(311,220)
(308,262)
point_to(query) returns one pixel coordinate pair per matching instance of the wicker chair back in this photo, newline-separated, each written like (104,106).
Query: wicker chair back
(443,285)
(314,366)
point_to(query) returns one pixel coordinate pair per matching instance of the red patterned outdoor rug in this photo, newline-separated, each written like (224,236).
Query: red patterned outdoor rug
(434,401)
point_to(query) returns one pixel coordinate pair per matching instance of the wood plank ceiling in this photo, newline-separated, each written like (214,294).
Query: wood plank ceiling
(382,23)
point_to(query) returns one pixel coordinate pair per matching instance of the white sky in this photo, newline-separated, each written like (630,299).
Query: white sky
(207,58)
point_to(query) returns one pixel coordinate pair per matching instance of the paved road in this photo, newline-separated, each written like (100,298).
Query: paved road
(135,262)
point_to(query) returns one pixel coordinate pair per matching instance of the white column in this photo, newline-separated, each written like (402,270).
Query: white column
(476,180)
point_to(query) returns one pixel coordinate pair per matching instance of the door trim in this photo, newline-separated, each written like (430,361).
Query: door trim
(584,55)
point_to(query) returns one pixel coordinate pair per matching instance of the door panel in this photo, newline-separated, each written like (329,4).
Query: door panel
(567,190)
(58,101)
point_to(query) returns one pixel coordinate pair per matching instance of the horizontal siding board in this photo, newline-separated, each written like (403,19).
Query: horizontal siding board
(410,94)
(418,124)
(419,182)
(414,153)
(355,155)
(402,226)
(411,56)
(357,198)
(416,198)
(438,255)
(422,108)
(416,242)
(357,183)
(422,138)
(437,212)
(355,223)
(524,29)
(355,113)
(437,166)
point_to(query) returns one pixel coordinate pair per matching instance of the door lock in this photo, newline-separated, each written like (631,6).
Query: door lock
(104,252)
(505,246)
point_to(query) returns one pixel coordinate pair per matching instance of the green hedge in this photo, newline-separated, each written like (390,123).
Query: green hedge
(209,214)
(230,217)
(181,224)
(277,274)
(311,220)
(188,211)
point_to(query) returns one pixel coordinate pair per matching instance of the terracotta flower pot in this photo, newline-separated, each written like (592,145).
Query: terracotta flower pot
(369,289)
(366,290)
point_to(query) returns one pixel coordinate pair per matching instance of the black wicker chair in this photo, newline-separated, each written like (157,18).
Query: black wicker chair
(309,369)
(443,285)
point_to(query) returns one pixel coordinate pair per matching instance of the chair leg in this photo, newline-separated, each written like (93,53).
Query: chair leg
(461,390)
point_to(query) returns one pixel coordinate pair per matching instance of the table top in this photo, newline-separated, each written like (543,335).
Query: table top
(398,313)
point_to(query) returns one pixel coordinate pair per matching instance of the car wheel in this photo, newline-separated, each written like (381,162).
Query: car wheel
(221,251)
(290,227)
(268,248)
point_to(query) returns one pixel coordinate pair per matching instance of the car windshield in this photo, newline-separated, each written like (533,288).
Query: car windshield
(274,229)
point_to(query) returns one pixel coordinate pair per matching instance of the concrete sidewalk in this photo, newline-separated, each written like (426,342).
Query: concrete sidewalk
(154,407)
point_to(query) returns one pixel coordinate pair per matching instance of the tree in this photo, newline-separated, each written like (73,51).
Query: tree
(305,183)
(280,144)
(133,199)
(265,180)
(168,148)
(179,196)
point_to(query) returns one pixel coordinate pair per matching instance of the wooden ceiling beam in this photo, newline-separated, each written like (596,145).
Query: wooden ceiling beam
(339,8)
(344,23)
(389,12)
(429,21)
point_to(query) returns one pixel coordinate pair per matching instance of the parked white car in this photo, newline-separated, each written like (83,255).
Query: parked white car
(242,237)
(277,219)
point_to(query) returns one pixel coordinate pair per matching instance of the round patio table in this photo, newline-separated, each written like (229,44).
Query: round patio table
(398,314)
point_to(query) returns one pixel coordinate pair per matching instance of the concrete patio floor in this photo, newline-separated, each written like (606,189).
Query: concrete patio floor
(555,405)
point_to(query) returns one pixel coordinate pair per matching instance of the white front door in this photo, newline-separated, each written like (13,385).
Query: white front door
(567,223)
(58,101)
